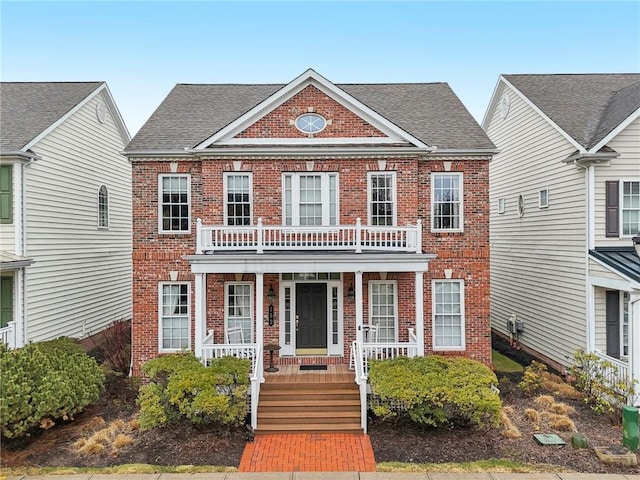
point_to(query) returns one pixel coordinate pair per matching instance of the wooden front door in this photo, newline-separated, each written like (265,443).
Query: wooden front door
(311,316)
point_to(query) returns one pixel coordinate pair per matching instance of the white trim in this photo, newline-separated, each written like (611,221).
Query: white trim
(502,202)
(103,227)
(313,114)
(521,205)
(396,320)
(461,202)
(161,286)
(325,196)
(609,283)
(621,183)
(226,176)
(621,126)
(463,335)
(252,301)
(170,175)
(544,204)
(309,141)
(394,194)
(632,283)
(288,91)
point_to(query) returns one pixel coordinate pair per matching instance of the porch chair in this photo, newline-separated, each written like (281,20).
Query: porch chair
(235,335)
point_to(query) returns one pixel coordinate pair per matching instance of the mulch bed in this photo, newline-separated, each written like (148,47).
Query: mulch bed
(183,444)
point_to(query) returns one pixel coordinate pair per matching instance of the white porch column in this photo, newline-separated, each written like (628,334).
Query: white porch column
(634,339)
(259,308)
(359,307)
(20,315)
(420,312)
(201,311)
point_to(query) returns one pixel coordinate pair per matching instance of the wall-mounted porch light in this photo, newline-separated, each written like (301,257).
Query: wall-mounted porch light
(271,295)
(351,294)
(636,244)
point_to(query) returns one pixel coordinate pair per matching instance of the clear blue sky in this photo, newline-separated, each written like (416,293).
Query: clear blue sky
(142,49)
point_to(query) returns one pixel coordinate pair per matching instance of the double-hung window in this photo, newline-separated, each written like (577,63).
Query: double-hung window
(175,316)
(239,308)
(383,309)
(310,198)
(448,314)
(238,198)
(630,208)
(382,198)
(103,207)
(446,202)
(174,192)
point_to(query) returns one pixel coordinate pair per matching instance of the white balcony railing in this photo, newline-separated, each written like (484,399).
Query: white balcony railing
(249,351)
(615,371)
(8,335)
(355,238)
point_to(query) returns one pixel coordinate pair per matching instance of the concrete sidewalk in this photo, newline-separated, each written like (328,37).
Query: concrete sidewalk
(337,476)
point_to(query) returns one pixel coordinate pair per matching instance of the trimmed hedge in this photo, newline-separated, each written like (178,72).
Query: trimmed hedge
(44,382)
(181,387)
(435,390)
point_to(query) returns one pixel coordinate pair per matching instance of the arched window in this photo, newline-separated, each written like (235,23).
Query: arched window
(103,207)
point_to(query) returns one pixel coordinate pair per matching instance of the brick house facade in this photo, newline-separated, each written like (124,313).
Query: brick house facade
(303,213)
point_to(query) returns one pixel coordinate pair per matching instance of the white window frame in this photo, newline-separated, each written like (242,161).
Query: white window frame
(227,175)
(625,314)
(462,345)
(160,203)
(102,205)
(502,201)
(460,176)
(543,198)
(161,316)
(521,205)
(622,209)
(395,307)
(325,200)
(251,308)
(394,202)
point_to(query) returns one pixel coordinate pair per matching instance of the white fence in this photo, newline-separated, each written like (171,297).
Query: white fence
(614,371)
(354,238)
(249,351)
(8,335)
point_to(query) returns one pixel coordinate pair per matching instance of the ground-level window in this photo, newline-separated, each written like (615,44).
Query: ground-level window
(448,315)
(630,208)
(382,198)
(174,316)
(239,308)
(238,198)
(174,192)
(103,207)
(383,309)
(446,202)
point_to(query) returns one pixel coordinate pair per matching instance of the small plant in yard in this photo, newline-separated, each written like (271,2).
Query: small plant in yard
(435,390)
(108,439)
(42,383)
(532,379)
(509,429)
(181,387)
(605,390)
(114,346)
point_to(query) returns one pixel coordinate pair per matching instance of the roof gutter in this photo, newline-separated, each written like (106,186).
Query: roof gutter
(587,159)
(19,157)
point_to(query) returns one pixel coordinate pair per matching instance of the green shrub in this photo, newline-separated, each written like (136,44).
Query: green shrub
(435,390)
(532,379)
(181,387)
(44,382)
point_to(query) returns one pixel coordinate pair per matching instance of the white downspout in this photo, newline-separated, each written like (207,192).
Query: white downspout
(590,342)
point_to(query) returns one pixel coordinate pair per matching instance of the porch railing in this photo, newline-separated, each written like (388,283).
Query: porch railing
(614,371)
(8,335)
(361,380)
(354,238)
(251,351)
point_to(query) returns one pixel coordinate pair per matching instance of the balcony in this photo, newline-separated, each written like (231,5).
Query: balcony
(350,238)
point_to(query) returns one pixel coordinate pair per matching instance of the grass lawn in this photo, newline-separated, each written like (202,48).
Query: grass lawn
(504,364)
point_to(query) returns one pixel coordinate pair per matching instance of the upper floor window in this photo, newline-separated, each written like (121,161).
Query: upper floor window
(6,194)
(630,208)
(174,316)
(103,207)
(501,204)
(383,309)
(446,202)
(448,315)
(238,198)
(310,198)
(174,203)
(382,198)
(543,198)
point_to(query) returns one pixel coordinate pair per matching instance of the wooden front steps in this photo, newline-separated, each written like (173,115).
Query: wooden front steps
(305,407)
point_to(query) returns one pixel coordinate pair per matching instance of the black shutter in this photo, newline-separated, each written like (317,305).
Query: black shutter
(613,323)
(612,216)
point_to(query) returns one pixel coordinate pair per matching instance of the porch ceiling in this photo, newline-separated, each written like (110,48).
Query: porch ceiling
(292,262)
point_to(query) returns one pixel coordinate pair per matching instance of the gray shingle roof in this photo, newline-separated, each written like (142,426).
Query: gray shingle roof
(191,113)
(29,108)
(586,106)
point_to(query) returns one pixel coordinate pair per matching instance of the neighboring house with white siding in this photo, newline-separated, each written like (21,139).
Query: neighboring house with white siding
(65,211)
(565,205)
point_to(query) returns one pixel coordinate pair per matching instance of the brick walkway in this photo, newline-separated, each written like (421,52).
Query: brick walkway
(309,452)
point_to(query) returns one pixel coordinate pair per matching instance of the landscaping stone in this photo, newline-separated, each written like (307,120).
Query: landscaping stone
(616,455)
(579,440)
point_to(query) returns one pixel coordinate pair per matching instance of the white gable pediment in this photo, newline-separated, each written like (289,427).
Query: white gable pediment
(387,132)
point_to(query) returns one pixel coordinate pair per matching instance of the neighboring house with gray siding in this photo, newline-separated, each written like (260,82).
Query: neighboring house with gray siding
(65,211)
(565,205)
